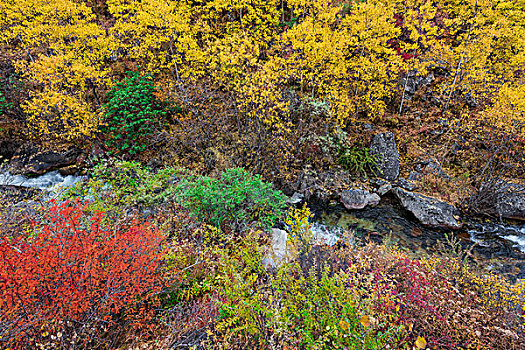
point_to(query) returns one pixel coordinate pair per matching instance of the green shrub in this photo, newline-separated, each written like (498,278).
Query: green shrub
(356,157)
(118,186)
(236,199)
(131,113)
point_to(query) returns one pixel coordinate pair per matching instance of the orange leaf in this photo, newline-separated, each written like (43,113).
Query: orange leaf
(365,321)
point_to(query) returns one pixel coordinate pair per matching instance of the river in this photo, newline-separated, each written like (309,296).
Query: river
(495,246)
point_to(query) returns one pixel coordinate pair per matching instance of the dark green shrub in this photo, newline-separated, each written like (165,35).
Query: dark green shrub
(236,199)
(131,113)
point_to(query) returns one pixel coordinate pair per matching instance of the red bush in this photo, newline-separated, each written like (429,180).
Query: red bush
(70,269)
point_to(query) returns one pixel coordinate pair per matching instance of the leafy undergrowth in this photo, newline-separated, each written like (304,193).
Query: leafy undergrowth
(370,297)
(69,280)
(187,280)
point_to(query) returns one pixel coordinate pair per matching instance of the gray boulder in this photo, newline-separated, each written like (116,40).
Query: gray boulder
(405,184)
(429,211)
(384,189)
(384,145)
(512,207)
(278,253)
(358,199)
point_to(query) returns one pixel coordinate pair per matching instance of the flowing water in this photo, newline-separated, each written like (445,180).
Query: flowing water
(500,247)
(53,183)
(497,247)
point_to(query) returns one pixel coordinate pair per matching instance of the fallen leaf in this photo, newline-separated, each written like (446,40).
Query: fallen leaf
(421,343)
(365,321)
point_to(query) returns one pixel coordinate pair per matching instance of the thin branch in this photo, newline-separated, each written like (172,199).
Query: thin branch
(458,69)
(25,48)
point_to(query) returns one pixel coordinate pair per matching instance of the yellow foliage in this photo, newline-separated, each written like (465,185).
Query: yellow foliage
(60,110)
(300,235)
(157,34)
(349,55)
(50,113)
(508,111)
(342,59)
(66,51)
(486,47)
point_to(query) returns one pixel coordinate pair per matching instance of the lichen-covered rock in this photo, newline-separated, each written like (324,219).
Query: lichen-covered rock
(384,146)
(358,199)
(429,211)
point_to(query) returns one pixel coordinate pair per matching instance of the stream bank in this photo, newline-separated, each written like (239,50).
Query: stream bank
(385,209)
(496,247)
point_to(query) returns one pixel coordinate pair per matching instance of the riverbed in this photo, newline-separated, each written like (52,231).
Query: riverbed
(494,246)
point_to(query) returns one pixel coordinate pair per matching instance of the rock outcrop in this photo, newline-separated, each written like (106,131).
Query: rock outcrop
(429,211)
(512,206)
(384,146)
(500,199)
(34,160)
